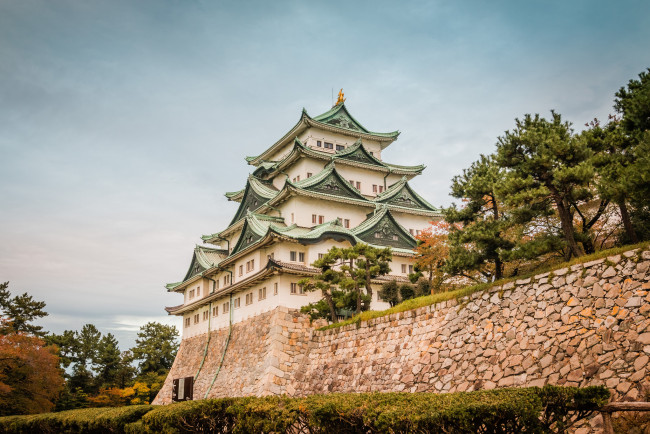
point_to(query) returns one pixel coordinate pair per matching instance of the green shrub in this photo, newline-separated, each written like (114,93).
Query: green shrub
(406,291)
(516,410)
(87,420)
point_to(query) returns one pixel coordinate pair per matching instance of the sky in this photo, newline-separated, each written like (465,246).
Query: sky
(122,123)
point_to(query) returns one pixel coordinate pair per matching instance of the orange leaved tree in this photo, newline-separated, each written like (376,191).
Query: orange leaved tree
(432,251)
(30,379)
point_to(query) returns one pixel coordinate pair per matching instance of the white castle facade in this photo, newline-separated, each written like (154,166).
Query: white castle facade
(323,184)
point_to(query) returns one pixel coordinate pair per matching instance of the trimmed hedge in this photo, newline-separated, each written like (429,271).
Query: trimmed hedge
(86,420)
(516,410)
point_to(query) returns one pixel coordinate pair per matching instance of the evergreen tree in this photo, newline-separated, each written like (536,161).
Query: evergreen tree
(633,103)
(549,169)
(477,229)
(613,161)
(108,361)
(350,269)
(155,348)
(19,312)
(389,292)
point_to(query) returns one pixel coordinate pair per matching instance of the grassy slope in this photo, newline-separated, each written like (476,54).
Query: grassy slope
(428,300)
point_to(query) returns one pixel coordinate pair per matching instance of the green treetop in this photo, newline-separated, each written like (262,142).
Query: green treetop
(548,167)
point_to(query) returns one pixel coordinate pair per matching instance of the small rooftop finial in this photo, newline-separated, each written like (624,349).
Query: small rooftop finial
(341,100)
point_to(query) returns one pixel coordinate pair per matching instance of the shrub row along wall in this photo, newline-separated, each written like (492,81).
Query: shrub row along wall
(584,325)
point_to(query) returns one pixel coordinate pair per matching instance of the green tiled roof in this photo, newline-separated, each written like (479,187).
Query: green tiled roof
(256,193)
(336,119)
(340,117)
(356,155)
(401,194)
(328,181)
(383,229)
(204,258)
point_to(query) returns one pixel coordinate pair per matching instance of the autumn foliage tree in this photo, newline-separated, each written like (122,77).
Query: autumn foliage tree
(30,379)
(432,252)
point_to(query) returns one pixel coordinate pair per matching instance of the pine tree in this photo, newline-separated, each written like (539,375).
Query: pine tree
(549,169)
(19,312)
(477,229)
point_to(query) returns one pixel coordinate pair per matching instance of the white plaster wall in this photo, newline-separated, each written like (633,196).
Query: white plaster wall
(303,208)
(411,221)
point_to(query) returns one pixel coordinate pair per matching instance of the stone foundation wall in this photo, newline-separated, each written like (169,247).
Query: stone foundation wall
(584,325)
(261,354)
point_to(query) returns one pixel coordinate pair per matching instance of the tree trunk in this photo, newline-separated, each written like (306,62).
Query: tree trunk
(498,268)
(498,265)
(368,287)
(356,288)
(565,220)
(330,303)
(627,223)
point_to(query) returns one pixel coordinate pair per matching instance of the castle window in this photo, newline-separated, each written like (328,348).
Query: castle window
(321,219)
(411,269)
(237,302)
(346,223)
(292,218)
(395,238)
(191,294)
(381,188)
(412,231)
(262,294)
(198,291)
(329,145)
(226,279)
(374,188)
(275,288)
(340,147)
(351,182)
(215,311)
(358,185)
(294,288)
(226,307)
(417,232)
(215,285)
(313,218)
(196,318)
(241,270)
(404,268)
(309,174)
(301,257)
(319,143)
(320,255)
(206,315)
(292,256)
(249,298)
(187,321)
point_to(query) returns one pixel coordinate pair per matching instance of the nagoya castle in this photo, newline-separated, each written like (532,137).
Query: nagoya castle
(323,184)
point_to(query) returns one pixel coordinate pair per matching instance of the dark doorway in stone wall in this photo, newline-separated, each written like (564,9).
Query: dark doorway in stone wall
(183,389)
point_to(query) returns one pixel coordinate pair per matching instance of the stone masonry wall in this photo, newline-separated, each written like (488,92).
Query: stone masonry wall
(261,353)
(587,325)
(584,325)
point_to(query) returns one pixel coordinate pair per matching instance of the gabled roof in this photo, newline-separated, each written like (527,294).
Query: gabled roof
(337,119)
(255,194)
(401,194)
(328,181)
(253,230)
(355,155)
(203,258)
(382,229)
